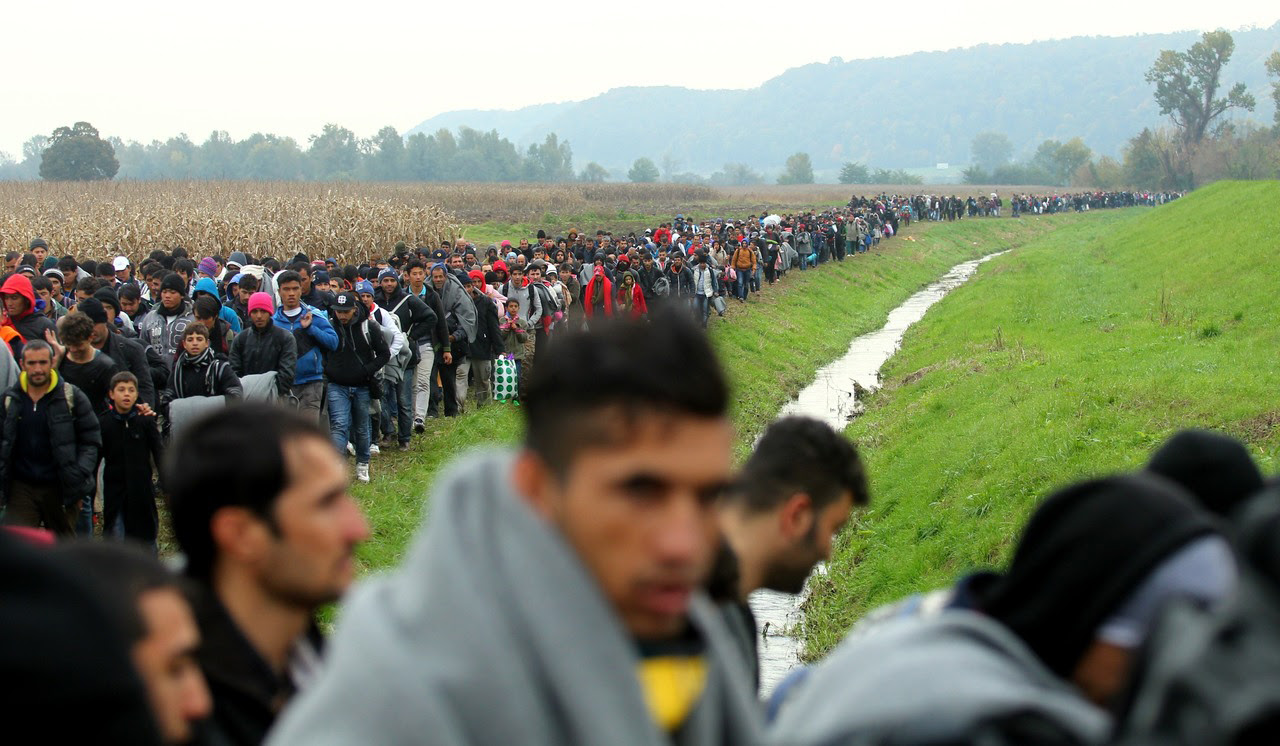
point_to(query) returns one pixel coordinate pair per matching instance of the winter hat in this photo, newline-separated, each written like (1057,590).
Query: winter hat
(208,266)
(50,262)
(173,281)
(1217,470)
(477,277)
(37,243)
(54,272)
(500,266)
(1082,555)
(364,286)
(238,258)
(92,307)
(320,277)
(261,302)
(388,272)
(108,297)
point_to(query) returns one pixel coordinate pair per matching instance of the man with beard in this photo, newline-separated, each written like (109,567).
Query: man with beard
(259,503)
(791,498)
(265,347)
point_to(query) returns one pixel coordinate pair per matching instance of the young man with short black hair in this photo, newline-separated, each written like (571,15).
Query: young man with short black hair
(593,538)
(315,338)
(351,370)
(267,543)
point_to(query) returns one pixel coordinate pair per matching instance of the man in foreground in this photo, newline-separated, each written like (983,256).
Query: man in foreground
(791,498)
(554,596)
(267,543)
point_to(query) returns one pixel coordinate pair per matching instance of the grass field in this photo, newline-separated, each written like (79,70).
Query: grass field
(1076,355)
(770,348)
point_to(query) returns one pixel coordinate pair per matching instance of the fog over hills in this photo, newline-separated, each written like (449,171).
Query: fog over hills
(903,112)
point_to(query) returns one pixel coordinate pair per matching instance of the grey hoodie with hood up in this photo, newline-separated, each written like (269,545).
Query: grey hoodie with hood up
(492,632)
(933,679)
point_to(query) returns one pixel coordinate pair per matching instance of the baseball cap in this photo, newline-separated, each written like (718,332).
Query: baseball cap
(345,301)
(120,263)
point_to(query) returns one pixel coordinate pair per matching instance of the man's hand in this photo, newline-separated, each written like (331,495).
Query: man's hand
(144,409)
(58,350)
(305,321)
(448,358)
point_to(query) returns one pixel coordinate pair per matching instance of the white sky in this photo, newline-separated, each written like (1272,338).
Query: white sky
(150,70)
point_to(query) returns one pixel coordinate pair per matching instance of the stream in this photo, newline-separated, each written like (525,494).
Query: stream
(831,398)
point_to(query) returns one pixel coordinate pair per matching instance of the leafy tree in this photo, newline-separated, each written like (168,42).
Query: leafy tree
(387,159)
(1273,70)
(334,153)
(854,173)
(991,150)
(550,161)
(1071,156)
(896,176)
(78,153)
(593,173)
(799,170)
(643,171)
(736,174)
(1142,161)
(1188,82)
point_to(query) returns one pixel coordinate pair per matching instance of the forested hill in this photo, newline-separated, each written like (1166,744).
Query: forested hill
(900,112)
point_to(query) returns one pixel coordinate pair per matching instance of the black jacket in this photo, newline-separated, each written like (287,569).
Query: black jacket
(361,353)
(74,436)
(203,376)
(129,444)
(681,282)
(417,319)
(130,355)
(247,693)
(255,351)
(488,342)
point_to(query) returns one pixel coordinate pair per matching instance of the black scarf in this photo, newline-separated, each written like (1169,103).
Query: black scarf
(211,371)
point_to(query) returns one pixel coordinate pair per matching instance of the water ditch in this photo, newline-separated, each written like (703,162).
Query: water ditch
(834,397)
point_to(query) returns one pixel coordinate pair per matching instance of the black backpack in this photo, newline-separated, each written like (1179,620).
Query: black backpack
(1213,677)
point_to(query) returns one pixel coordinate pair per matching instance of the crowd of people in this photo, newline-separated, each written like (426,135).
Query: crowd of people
(587,586)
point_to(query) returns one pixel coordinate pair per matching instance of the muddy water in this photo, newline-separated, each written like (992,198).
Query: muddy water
(831,398)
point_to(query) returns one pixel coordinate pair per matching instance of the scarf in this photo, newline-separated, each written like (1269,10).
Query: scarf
(211,371)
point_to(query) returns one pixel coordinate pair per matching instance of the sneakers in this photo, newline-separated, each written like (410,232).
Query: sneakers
(419,426)
(404,446)
(362,473)
(374,450)
(351,449)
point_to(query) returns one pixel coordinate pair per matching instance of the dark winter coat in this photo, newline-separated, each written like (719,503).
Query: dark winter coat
(203,375)
(130,355)
(130,442)
(256,351)
(361,353)
(74,438)
(488,342)
(417,319)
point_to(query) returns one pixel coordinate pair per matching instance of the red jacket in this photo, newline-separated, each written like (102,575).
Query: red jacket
(606,288)
(638,307)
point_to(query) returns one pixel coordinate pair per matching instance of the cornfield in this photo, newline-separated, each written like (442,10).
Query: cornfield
(350,222)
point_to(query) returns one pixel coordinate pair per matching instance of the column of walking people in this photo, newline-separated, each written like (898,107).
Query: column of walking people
(376,349)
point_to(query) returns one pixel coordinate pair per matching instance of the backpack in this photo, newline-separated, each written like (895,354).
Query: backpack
(1213,676)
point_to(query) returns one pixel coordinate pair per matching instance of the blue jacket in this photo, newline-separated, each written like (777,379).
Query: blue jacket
(313,342)
(207,285)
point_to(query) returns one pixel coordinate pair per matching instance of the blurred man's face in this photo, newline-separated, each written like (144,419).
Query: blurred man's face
(389,285)
(346,316)
(129,306)
(290,294)
(260,318)
(37,364)
(40,253)
(437,278)
(640,514)
(417,276)
(166,662)
(171,299)
(308,558)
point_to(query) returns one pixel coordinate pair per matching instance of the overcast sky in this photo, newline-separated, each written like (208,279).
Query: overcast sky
(149,70)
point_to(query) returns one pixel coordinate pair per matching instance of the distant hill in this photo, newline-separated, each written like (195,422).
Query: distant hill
(902,112)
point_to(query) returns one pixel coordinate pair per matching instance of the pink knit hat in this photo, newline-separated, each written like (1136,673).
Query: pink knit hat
(261,302)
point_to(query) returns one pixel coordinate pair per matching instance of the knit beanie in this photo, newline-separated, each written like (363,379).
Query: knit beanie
(208,266)
(107,297)
(261,302)
(173,281)
(1217,470)
(92,307)
(1082,554)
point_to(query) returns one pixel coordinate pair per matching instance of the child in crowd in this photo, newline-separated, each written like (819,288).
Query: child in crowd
(130,443)
(198,372)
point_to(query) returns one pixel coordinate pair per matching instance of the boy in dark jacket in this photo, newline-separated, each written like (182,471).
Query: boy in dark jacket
(197,372)
(351,371)
(130,443)
(488,342)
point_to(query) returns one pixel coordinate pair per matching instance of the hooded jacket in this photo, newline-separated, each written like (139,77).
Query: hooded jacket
(31,324)
(362,351)
(255,351)
(457,303)
(935,679)
(208,285)
(599,287)
(74,437)
(493,632)
(313,342)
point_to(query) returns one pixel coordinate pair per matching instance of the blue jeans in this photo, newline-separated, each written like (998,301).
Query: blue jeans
(397,406)
(349,415)
(703,304)
(741,284)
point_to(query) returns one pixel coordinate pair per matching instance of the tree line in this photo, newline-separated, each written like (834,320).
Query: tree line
(1202,145)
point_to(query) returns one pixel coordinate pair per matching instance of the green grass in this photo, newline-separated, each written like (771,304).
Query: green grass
(771,348)
(1076,355)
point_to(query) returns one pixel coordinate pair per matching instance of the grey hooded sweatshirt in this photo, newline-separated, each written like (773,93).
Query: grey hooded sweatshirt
(492,632)
(924,679)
